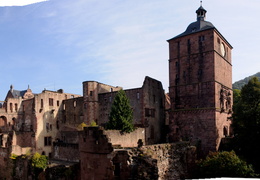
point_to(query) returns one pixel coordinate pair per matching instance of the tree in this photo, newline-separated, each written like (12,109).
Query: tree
(121,114)
(224,164)
(246,122)
(39,163)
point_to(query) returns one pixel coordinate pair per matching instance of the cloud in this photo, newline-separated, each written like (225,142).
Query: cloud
(19,2)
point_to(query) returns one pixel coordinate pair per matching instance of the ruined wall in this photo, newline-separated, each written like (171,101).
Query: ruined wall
(91,90)
(73,112)
(95,155)
(99,160)
(173,161)
(5,163)
(66,151)
(153,110)
(126,139)
(148,104)
(23,142)
(49,108)
(135,97)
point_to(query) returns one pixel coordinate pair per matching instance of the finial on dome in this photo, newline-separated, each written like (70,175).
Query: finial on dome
(201,13)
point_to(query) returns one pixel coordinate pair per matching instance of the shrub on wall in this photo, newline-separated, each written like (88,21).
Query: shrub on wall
(39,161)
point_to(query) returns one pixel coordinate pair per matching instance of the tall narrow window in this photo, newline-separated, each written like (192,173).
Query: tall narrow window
(11,107)
(41,103)
(178,48)
(188,46)
(50,101)
(16,107)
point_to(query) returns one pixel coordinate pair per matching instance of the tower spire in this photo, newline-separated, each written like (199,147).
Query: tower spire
(201,13)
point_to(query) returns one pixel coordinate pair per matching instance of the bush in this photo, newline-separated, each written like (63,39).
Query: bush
(224,164)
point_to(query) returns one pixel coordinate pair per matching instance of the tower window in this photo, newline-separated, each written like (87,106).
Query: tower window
(178,48)
(201,38)
(188,46)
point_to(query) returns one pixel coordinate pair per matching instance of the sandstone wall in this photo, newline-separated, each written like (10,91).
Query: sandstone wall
(127,139)
(173,161)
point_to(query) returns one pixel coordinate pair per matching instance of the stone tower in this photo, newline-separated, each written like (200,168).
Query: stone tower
(200,74)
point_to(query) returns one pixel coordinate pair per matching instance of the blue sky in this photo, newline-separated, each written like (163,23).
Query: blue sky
(58,44)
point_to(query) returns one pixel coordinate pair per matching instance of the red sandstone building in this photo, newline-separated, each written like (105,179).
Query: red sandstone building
(200,74)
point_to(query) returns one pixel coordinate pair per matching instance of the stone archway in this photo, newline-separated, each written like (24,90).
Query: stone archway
(3,121)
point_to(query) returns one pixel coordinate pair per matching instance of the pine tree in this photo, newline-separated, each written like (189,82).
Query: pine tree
(121,114)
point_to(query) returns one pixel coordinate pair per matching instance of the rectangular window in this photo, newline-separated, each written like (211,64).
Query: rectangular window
(147,112)
(178,49)
(41,103)
(91,93)
(201,38)
(47,127)
(188,46)
(152,112)
(138,95)
(47,141)
(58,103)
(50,101)
(11,107)
(16,107)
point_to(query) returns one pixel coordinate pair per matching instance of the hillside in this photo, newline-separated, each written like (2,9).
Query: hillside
(241,83)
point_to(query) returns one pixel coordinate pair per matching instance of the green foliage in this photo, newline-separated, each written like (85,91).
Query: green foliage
(224,164)
(13,156)
(121,114)
(236,96)
(81,126)
(241,83)
(93,124)
(39,161)
(246,122)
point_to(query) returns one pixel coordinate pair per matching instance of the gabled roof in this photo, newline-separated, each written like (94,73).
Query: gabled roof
(17,94)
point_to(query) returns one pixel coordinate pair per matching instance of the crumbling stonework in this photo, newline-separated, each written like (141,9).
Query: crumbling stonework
(173,161)
(101,160)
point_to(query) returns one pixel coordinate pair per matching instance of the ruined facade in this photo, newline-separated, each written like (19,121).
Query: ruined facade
(29,122)
(200,74)
(101,159)
(147,102)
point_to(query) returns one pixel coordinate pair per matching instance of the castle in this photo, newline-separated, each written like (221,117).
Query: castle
(197,109)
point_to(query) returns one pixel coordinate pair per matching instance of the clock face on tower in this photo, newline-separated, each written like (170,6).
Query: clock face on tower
(222,50)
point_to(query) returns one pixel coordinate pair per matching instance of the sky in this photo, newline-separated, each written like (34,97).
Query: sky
(58,44)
